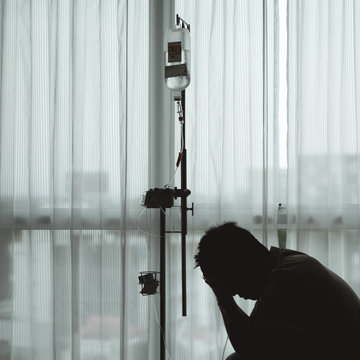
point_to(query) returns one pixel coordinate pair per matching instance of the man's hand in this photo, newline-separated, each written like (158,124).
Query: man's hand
(236,321)
(221,291)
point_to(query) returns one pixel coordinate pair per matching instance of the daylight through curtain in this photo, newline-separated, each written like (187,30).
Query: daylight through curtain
(76,142)
(324,133)
(74,162)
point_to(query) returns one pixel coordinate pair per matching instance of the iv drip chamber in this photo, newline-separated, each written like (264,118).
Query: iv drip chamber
(177,58)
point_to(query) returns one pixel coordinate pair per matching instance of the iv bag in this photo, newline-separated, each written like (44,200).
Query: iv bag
(177,58)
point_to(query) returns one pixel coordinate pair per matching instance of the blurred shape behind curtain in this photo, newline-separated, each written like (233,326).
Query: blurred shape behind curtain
(73,131)
(324,133)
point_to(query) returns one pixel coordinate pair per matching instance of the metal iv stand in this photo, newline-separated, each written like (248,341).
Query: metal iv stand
(163,199)
(183,193)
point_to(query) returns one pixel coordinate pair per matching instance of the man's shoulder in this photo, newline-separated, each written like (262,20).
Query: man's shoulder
(301,278)
(292,261)
(296,275)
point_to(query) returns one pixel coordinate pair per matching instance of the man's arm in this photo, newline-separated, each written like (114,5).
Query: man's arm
(252,339)
(237,323)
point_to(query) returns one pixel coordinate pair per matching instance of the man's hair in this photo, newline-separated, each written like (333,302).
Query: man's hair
(226,246)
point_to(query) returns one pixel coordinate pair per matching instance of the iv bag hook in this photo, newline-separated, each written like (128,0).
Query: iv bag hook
(183,22)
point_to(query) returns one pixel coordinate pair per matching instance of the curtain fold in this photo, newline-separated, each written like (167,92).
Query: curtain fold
(75,139)
(323,139)
(74,162)
(70,101)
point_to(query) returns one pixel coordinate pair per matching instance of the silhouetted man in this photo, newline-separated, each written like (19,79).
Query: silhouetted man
(303,310)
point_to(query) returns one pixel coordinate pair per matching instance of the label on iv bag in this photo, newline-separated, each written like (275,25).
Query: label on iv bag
(174,51)
(175,70)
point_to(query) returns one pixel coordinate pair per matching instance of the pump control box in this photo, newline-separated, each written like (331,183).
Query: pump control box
(159,198)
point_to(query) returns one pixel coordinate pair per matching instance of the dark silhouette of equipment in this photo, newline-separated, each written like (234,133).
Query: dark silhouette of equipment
(149,282)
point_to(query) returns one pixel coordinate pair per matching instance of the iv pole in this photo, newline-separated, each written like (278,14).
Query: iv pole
(163,199)
(183,194)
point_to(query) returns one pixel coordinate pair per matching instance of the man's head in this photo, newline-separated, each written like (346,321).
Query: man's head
(232,258)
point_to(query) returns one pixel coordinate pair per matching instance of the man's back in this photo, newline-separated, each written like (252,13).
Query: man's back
(303,310)
(304,295)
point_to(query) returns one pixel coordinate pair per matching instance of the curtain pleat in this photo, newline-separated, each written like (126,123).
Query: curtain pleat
(323,139)
(75,141)
(74,161)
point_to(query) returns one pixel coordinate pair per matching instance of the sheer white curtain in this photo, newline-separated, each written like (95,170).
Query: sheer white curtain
(74,161)
(232,137)
(75,139)
(324,133)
